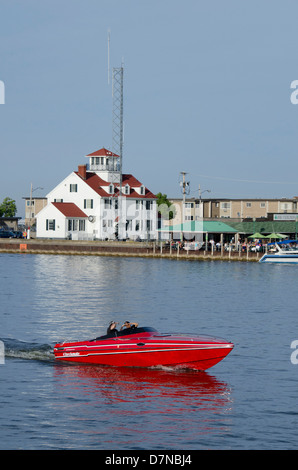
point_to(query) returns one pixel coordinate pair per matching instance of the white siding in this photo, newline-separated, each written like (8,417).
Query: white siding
(137,220)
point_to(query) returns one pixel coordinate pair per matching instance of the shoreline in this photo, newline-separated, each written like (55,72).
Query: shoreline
(117,248)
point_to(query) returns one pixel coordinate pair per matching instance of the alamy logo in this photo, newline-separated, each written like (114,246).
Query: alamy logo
(294,355)
(2,355)
(2,92)
(294,94)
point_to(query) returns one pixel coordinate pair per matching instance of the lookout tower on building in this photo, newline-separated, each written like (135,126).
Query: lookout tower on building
(105,164)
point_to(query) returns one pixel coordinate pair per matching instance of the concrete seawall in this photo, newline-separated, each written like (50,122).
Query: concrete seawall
(132,249)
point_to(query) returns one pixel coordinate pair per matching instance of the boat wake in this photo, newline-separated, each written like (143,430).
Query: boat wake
(14,348)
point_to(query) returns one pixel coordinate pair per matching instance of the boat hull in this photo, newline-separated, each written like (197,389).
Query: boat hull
(279,259)
(136,351)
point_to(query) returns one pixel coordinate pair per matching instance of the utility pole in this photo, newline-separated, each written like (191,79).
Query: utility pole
(185,189)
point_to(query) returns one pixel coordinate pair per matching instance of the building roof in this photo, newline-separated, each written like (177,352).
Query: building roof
(265,227)
(69,209)
(102,153)
(98,185)
(201,226)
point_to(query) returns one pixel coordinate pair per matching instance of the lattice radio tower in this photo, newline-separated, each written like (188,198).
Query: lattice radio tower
(117,117)
(117,137)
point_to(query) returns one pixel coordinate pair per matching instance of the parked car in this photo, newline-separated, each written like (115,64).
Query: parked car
(18,234)
(6,234)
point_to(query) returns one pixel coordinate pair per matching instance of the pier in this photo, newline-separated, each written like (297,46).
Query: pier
(152,249)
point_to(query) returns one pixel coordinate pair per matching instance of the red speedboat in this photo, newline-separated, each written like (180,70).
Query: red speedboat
(146,347)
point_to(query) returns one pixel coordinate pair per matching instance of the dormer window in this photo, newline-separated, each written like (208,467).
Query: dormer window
(111,189)
(142,190)
(127,189)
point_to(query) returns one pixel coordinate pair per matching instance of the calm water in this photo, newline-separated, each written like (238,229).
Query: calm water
(248,401)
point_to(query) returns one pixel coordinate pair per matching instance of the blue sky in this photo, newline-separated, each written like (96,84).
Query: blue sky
(206,91)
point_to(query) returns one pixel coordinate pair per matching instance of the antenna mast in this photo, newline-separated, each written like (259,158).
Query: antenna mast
(117,134)
(117,143)
(109,34)
(117,92)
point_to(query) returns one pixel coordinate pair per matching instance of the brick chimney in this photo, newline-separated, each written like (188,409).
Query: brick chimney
(82,171)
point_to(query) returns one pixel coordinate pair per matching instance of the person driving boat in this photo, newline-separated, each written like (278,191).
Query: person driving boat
(128,324)
(112,328)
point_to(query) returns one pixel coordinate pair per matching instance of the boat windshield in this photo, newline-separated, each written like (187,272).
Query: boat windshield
(128,331)
(289,247)
(285,245)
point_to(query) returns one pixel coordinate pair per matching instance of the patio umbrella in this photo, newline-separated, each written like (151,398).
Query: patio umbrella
(257,235)
(276,235)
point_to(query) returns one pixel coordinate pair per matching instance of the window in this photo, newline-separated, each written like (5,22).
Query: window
(263,205)
(73,188)
(82,225)
(50,224)
(58,200)
(129,225)
(88,203)
(188,205)
(137,225)
(142,190)
(111,189)
(107,224)
(188,217)
(107,203)
(285,206)
(127,189)
(225,205)
(248,204)
(148,205)
(76,224)
(148,225)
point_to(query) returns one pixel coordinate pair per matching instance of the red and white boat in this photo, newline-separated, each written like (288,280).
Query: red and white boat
(146,347)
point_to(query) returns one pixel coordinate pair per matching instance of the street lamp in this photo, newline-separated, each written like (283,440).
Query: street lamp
(200,197)
(30,215)
(202,211)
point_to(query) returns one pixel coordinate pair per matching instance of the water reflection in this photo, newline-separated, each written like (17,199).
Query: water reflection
(78,296)
(138,403)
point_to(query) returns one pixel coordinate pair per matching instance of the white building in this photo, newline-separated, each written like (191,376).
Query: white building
(91,204)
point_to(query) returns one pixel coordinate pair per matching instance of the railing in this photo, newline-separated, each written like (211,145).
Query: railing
(100,167)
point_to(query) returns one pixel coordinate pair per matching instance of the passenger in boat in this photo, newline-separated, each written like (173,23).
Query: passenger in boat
(112,328)
(127,324)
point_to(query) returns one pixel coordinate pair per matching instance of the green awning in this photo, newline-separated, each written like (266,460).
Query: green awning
(200,226)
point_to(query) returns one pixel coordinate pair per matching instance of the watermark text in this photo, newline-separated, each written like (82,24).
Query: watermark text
(2,354)
(294,355)
(2,92)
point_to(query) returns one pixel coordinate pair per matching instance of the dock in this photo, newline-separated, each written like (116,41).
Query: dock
(117,248)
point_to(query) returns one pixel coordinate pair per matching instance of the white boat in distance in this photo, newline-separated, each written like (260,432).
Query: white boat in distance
(286,251)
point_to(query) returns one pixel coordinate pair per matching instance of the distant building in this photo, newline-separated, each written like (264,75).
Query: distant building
(241,209)
(9,223)
(97,202)
(32,207)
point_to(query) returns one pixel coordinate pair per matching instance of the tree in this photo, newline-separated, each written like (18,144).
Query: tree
(165,208)
(8,208)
